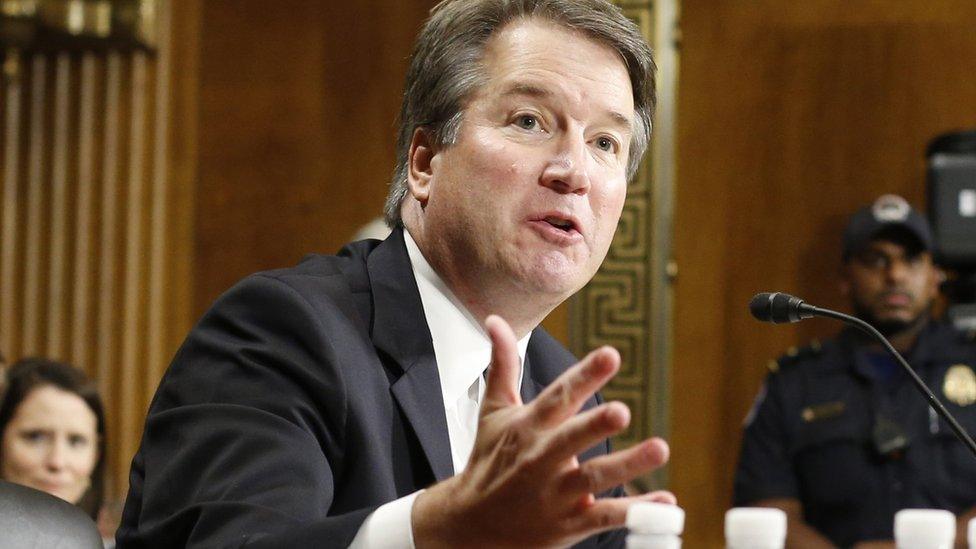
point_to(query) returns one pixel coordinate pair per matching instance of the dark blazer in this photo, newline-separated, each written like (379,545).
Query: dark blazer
(304,399)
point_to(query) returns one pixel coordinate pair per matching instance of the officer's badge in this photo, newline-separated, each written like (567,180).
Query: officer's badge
(825,410)
(960,385)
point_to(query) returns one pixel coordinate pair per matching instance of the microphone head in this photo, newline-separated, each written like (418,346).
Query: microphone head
(776,307)
(760,306)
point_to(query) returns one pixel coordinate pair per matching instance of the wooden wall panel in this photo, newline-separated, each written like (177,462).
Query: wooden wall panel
(82,304)
(108,327)
(34,219)
(11,108)
(791,115)
(298,102)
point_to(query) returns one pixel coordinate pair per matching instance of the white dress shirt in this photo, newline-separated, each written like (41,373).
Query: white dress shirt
(462,349)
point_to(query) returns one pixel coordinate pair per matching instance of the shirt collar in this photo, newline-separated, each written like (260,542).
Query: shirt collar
(462,348)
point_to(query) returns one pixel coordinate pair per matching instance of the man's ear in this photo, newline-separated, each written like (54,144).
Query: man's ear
(938,277)
(419,165)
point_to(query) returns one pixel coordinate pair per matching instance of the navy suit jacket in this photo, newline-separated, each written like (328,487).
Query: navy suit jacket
(303,399)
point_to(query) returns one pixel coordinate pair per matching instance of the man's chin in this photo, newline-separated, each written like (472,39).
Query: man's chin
(555,274)
(891,327)
(894,323)
(558,287)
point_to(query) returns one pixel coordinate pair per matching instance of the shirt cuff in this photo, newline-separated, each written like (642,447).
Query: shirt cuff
(388,527)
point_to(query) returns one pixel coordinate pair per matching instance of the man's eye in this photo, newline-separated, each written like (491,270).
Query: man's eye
(527,122)
(605,144)
(872,260)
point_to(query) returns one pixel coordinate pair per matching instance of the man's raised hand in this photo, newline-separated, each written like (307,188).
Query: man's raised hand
(523,486)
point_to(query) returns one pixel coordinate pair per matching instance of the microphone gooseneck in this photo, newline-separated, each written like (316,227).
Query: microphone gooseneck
(777,307)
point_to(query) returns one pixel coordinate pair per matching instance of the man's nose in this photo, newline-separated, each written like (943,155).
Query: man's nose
(897,270)
(566,172)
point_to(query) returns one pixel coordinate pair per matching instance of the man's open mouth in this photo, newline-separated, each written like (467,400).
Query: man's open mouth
(560,223)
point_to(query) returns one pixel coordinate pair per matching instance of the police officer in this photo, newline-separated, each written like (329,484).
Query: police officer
(840,438)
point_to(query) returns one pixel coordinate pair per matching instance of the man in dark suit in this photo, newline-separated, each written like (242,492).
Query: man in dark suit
(346,401)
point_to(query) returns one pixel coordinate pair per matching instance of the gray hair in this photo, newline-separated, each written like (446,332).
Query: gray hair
(446,68)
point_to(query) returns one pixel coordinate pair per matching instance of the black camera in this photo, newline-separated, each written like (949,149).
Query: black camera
(951,159)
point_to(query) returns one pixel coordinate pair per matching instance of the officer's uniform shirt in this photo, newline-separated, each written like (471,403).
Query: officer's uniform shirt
(854,440)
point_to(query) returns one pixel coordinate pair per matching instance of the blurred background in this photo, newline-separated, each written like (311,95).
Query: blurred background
(155,152)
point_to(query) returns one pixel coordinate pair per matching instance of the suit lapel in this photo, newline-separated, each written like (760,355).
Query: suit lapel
(399,330)
(425,412)
(530,387)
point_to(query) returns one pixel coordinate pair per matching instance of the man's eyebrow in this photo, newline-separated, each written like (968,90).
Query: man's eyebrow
(622,121)
(530,90)
(527,89)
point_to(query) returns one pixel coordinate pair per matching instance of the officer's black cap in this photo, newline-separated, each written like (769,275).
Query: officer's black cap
(890,217)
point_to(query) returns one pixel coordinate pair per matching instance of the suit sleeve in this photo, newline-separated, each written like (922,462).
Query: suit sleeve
(243,439)
(765,467)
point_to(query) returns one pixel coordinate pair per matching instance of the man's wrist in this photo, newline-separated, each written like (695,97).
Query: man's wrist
(431,517)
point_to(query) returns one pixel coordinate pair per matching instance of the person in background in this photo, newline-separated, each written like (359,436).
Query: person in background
(52,432)
(839,437)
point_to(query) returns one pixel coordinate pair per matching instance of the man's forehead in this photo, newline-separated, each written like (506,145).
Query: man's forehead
(525,38)
(541,58)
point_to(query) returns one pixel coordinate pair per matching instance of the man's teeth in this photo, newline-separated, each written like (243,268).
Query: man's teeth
(561,223)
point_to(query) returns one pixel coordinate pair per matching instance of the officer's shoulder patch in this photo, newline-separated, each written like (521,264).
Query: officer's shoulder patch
(794,356)
(756,403)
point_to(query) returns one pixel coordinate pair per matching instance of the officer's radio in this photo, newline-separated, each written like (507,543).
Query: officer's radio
(889,438)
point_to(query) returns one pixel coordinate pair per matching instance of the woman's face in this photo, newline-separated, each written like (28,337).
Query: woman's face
(51,443)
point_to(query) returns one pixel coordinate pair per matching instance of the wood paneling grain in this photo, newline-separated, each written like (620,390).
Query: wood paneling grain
(107,324)
(791,116)
(34,220)
(133,303)
(58,217)
(10,239)
(158,350)
(297,108)
(82,307)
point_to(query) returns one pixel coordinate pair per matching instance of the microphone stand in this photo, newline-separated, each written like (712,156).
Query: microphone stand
(933,401)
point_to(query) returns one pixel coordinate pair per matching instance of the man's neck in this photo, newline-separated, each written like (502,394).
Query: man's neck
(904,340)
(482,296)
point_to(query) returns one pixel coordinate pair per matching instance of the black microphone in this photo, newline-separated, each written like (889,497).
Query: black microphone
(779,308)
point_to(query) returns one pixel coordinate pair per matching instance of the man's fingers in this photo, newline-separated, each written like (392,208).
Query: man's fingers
(606,513)
(605,472)
(502,387)
(583,431)
(660,496)
(566,395)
